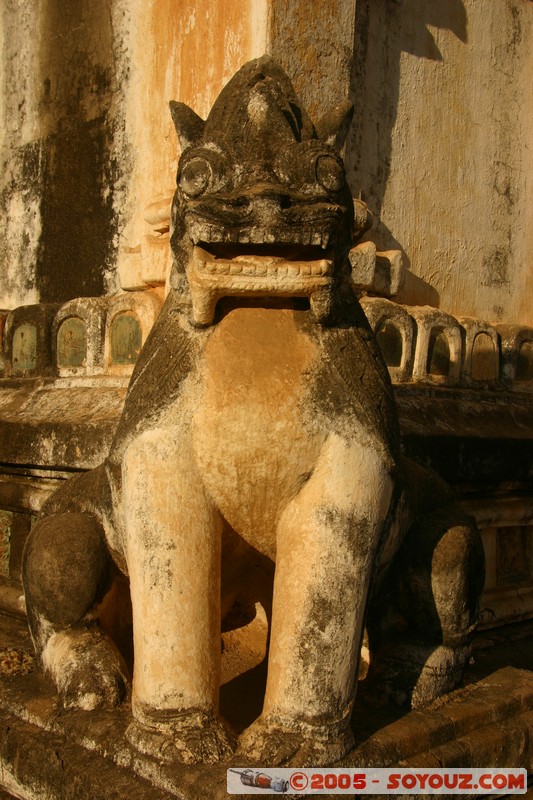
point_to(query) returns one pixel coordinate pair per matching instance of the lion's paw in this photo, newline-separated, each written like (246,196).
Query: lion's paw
(87,668)
(414,674)
(269,741)
(192,738)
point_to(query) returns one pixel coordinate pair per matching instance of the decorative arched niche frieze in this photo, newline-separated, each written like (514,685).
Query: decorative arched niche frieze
(27,341)
(129,320)
(439,346)
(517,356)
(481,362)
(78,336)
(3,320)
(394,329)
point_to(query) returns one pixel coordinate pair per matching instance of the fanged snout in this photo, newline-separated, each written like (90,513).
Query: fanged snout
(268,248)
(258,270)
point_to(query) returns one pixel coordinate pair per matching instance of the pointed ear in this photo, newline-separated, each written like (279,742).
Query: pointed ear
(189,126)
(333,126)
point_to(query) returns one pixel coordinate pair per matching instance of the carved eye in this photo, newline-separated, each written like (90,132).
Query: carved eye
(329,173)
(195,176)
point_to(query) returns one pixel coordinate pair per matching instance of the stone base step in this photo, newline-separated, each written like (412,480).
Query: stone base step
(48,753)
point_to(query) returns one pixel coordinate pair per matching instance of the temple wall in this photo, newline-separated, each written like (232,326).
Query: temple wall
(87,141)
(62,176)
(189,57)
(440,147)
(323,49)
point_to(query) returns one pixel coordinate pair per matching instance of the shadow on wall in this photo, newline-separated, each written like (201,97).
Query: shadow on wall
(384,29)
(79,173)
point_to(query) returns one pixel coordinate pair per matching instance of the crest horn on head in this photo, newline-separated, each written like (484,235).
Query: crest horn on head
(333,126)
(261,77)
(189,126)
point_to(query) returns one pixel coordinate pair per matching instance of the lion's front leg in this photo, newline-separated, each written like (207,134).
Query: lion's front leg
(327,541)
(173,553)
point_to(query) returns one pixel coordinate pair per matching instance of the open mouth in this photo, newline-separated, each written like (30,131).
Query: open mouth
(258,270)
(262,261)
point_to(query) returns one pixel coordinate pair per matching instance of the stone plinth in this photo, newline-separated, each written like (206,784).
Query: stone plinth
(46,752)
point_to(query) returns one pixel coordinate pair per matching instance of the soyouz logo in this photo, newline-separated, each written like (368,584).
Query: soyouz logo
(340,780)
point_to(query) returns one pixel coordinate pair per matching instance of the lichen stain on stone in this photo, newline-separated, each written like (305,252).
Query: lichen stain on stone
(72,343)
(15,661)
(496,268)
(353,532)
(126,339)
(25,348)
(6,520)
(78,223)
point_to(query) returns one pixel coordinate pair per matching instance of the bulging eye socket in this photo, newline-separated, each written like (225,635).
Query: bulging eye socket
(329,173)
(195,176)
(308,166)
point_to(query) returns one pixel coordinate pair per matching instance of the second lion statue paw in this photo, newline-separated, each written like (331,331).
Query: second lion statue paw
(282,743)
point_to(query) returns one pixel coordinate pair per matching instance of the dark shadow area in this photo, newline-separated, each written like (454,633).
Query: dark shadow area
(506,646)
(78,225)
(384,29)
(78,171)
(241,699)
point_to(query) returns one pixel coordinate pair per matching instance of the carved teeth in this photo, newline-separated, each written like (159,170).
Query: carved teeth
(256,266)
(211,278)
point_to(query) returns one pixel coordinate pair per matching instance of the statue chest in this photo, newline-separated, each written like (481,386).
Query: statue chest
(252,438)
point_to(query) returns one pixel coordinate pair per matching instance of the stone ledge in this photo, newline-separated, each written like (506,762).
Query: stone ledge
(489,723)
(39,765)
(57,425)
(47,753)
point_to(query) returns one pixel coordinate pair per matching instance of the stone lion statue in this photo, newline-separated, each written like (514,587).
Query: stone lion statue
(259,420)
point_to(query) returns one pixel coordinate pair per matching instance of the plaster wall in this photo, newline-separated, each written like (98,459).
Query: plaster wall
(62,175)
(313,42)
(442,148)
(87,141)
(20,220)
(184,54)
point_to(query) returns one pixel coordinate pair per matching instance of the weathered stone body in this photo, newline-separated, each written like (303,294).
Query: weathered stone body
(259,420)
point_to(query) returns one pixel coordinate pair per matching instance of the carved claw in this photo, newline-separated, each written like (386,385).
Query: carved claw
(269,742)
(195,738)
(87,668)
(414,674)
